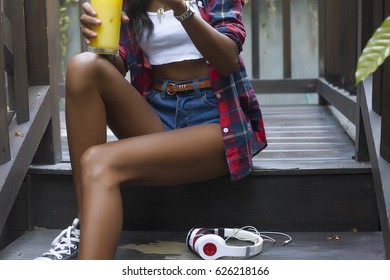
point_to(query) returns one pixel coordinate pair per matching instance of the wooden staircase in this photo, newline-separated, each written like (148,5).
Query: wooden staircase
(328,191)
(306,183)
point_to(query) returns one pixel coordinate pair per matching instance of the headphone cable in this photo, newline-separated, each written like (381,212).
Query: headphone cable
(262,234)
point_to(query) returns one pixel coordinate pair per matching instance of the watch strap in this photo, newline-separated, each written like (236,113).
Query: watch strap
(188,13)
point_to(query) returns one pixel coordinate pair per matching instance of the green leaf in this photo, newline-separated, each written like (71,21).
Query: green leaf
(375,52)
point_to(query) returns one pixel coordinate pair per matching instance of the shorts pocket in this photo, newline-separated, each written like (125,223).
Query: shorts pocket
(150,97)
(209,98)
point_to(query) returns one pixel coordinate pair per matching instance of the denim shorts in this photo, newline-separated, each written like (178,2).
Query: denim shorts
(186,108)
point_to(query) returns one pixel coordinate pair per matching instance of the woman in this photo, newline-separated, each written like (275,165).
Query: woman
(189,114)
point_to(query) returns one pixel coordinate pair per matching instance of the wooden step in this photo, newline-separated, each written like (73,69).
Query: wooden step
(157,245)
(306,180)
(321,201)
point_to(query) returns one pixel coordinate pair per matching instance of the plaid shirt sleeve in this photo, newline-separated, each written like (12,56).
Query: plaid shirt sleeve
(226,17)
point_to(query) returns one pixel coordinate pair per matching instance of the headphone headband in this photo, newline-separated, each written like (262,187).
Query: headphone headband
(237,233)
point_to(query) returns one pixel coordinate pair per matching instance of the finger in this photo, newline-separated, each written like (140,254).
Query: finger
(88,9)
(124,17)
(87,20)
(87,33)
(87,41)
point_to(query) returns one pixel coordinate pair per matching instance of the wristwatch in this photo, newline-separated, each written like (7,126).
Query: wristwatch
(188,13)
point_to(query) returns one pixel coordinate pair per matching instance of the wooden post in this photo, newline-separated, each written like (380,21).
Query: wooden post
(4,137)
(255,11)
(364,24)
(44,69)
(321,45)
(286,39)
(20,61)
(341,43)
(376,21)
(349,43)
(321,37)
(385,100)
(371,125)
(385,130)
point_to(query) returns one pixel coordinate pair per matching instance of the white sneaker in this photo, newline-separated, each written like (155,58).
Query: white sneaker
(66,245)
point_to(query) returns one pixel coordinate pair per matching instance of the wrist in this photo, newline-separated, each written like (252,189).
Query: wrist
(179,8)
(186,14)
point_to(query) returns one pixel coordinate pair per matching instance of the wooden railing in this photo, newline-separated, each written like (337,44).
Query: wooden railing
(255,25)
(4,104)
(335,66)
(14,87)
(373,98)
(286,84)
(337,57)
(29,115)
(4,139)
(344,29)
(381,81)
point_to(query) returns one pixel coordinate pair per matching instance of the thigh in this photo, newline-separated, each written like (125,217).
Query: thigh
(165,106)
(127,112)
(172,157)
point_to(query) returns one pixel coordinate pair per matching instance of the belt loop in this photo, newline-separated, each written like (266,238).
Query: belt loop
(196,88)
(163,92)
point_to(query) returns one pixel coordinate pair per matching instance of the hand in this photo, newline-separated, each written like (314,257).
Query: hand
(171,2)
(88,19)
(178,6)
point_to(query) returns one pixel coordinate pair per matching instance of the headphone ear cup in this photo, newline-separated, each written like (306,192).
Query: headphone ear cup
(190,238)
(193,236)
(210,246)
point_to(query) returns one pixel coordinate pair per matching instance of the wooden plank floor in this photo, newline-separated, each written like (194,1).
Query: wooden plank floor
(171,246)
(300,137)
(306,137)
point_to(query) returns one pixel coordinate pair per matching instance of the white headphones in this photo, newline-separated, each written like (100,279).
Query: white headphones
(210,243)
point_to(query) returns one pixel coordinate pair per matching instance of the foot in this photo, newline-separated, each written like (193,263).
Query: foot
(66,245)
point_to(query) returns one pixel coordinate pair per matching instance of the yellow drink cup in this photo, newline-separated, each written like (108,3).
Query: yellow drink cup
(107,40)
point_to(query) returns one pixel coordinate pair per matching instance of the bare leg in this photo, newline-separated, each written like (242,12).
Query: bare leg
(165,158)
(95,89)
(96,95)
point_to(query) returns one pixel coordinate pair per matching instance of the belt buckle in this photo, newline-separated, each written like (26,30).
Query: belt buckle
(168,91)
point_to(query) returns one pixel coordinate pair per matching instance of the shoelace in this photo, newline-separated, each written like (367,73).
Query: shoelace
(64,243)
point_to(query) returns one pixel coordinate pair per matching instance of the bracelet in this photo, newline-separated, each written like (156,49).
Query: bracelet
(188,13)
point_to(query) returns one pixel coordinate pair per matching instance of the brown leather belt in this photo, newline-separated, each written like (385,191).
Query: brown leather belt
(172,88)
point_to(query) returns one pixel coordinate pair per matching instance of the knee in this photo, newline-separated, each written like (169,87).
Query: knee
(81,65)
(82,72)
(97,168)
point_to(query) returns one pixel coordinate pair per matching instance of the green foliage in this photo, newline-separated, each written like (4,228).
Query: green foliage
(64,21)
(375,52)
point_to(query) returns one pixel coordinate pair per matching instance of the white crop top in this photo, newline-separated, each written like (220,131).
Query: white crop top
(168,42)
